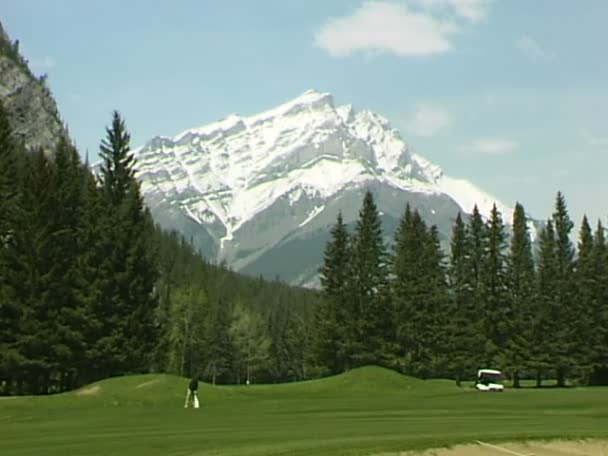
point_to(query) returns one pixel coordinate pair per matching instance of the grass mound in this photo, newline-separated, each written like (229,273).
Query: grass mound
(161,390)
(368,380)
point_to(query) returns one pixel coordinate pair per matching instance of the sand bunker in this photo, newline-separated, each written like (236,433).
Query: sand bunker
(90,391)
(533,448)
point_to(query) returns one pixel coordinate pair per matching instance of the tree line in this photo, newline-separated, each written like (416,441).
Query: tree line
(90,288)
(536,310)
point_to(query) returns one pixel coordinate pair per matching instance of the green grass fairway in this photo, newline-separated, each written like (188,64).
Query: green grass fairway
(366,411)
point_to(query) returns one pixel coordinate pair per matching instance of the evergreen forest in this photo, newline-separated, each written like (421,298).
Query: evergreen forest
(536,310)
(91,288)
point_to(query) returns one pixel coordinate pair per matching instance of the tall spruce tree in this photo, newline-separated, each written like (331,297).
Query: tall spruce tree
(127,306)
(369,288)
(95,236)
(437,305)
(521,299)
(10,310)
(545,324)
(587,295)
(31,258)
(598,334)
(334,328)
(287,343)
(65,288)
(464,319)
(418,294)
(406,284)
(493,288)
(477,252)
(565,306)
(117,170)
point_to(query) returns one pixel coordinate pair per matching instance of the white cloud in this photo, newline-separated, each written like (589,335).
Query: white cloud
(533,49)
(595,141)
(492,146)
(473,10)
(429,120)
(385,26)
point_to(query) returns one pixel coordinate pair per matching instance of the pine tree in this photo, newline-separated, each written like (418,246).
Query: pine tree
(95,234)
(30,258)
(598,333)
(545,323)
(64,282)
(438,305)
(287,343)
(118,162)
(9,201)
(587,297)
(334,328)
(565,309)
(493,288)
(478,249)
(142,273)
(464,320)
(128,303)
(477,244)
(405,284)
(369,287)
(521,299)
(418,294)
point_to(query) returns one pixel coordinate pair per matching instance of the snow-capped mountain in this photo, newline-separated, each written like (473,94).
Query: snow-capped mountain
(262,192)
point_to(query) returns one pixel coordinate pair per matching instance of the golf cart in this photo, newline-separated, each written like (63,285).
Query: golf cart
(489,380)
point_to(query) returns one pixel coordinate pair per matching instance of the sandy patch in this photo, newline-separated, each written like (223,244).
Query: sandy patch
(533,448)
(148,383)
(90,391)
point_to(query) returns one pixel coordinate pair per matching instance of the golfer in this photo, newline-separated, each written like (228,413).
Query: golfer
(192,393)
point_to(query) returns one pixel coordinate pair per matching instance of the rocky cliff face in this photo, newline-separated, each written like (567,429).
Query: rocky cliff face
(32,110)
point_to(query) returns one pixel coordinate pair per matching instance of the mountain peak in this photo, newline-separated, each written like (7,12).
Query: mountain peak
(311,100)
(312,96)
(244,186)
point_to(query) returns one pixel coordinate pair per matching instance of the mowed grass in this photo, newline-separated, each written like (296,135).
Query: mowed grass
(366,411)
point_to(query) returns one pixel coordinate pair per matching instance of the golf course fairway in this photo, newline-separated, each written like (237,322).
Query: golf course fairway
(363,412)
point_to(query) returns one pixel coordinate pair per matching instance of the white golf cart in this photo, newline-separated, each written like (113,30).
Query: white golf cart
(489,380)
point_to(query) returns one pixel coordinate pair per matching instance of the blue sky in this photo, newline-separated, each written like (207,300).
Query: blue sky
(512,95)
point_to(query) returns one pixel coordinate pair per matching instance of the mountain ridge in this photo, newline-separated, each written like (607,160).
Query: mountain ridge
(223,182)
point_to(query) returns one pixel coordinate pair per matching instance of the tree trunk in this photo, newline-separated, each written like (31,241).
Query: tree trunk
(561,377)
(516,383)
(539,378)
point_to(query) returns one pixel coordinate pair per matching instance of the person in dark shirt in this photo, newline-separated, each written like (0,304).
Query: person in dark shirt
(192,393)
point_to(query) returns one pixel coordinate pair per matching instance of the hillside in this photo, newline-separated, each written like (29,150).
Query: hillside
(34,116)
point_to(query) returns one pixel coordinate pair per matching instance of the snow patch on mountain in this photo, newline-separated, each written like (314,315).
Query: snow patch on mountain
(306,149)
(468,195)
